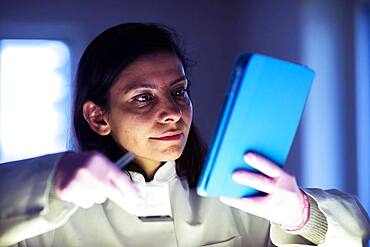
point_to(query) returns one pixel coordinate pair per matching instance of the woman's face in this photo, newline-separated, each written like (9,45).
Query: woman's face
(150,112)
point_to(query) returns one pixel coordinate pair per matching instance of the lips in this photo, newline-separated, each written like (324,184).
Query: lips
(169,136)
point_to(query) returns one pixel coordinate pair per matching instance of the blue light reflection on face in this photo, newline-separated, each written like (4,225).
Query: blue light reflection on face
(34,101)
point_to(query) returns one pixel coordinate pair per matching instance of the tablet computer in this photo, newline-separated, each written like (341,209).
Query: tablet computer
(261,113)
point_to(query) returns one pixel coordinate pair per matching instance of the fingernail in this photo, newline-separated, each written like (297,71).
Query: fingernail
(236,176)
(249,157)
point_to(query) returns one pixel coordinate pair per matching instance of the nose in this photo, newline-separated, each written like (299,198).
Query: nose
(169,111)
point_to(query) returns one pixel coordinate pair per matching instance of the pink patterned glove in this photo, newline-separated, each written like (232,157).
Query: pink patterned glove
(284,204)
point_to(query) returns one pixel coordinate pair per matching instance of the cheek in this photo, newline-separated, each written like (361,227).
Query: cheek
(125,128)
(130,135)
(187,112)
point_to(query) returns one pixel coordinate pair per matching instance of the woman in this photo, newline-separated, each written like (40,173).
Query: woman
(132,95)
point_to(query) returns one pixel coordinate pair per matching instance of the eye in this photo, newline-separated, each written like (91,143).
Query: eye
(180,92)
(143,98)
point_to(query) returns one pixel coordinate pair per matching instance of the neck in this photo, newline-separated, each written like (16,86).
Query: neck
(150,167)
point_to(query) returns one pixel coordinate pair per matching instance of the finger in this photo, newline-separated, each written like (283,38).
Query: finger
(99,199)
(258,181)
(92,195)
(75,194)
(121,199)
(121,190)
(91,186)
(252,202)
(93,190)
(110,182)
(129,204)
(124,183)
(84,204)
(263,165)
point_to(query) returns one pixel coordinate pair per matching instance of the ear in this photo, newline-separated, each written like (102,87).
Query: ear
(96,118)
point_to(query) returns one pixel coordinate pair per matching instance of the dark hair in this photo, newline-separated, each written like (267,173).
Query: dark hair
(99,67)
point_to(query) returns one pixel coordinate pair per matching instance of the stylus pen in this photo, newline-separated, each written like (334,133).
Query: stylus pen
(124,160)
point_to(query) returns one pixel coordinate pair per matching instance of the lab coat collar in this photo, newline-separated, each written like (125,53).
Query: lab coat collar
(164,174)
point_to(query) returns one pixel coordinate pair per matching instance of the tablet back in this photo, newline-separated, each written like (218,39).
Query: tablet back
(261,113)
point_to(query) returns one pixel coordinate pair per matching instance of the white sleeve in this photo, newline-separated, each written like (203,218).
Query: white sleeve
(347,223)
(28,206)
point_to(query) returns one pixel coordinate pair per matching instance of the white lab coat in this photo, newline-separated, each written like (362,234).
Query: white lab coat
(31,215)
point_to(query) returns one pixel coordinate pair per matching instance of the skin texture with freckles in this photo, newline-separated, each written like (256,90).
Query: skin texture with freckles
(150,112)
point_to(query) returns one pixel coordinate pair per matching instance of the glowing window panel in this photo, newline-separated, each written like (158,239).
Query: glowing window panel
(34,98)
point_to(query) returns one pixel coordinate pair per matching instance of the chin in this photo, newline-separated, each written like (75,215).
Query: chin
(172,153)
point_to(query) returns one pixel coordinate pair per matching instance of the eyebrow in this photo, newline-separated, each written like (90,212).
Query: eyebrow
(134,85)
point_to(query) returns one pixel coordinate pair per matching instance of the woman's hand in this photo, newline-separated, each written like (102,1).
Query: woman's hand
(89,177)
(284,203)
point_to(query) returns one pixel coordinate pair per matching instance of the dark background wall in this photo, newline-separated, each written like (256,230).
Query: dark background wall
(214,33)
